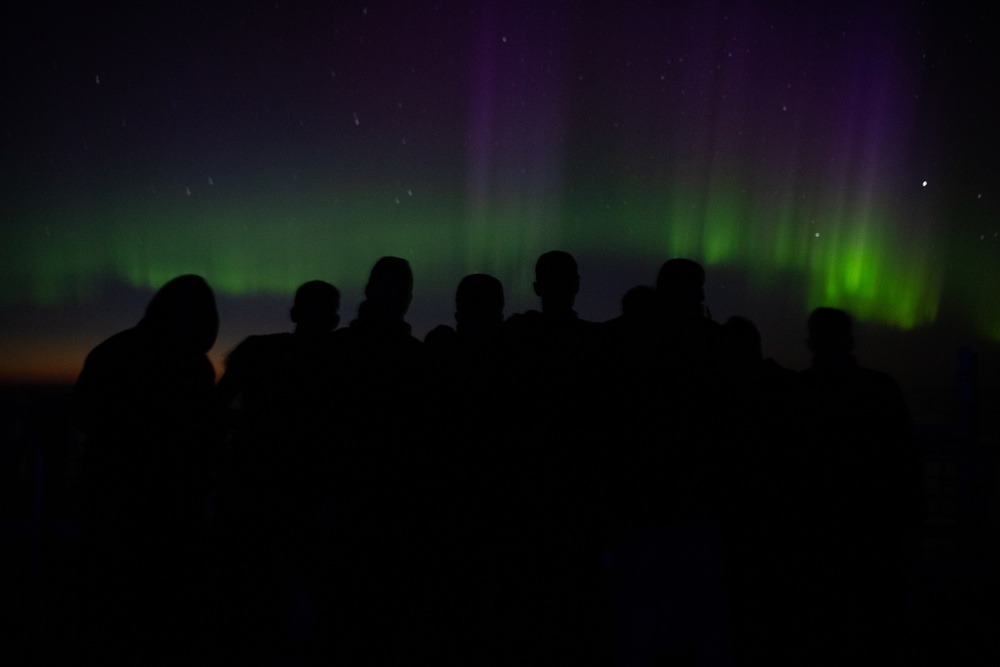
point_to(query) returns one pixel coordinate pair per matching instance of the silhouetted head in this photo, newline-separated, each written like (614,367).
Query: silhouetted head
(183,314)
(557,280)
(479,303)
(316,307)
(389,289)
(741,342)
(639,304)
(830,335)
(680,287)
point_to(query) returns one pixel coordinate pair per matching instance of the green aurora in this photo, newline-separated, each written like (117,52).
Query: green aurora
(843,255)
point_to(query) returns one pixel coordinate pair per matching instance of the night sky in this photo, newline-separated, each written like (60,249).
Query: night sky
(845,155)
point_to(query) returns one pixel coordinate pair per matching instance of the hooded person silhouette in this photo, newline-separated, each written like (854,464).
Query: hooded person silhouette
(144,403)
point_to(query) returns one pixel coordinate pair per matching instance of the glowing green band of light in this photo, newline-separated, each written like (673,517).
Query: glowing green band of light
(859,261)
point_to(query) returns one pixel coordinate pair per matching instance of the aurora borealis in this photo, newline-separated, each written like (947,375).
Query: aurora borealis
(842,156)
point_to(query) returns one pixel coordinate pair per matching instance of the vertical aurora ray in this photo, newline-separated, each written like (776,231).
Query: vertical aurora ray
(515,148)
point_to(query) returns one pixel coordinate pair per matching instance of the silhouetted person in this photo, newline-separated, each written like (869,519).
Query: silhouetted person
(144,401)
(762,436)
(280,376)
(283,379)
(629,339)
(680,289)
(864,494)
(639,305)
(664,473)
(551,603)
(666,362)
(468,366)
(553,348)
(557,282)
(470,479)
(378,573)
(277,479)
(479,303)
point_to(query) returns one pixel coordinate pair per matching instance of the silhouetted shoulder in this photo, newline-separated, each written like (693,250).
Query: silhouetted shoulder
(440,337)
(850,372)
(128,379)
(117,354)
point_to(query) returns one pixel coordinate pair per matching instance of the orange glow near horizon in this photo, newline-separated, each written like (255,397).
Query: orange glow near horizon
(52,363)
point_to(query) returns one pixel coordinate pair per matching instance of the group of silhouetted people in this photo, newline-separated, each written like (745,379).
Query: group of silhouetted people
(535,490)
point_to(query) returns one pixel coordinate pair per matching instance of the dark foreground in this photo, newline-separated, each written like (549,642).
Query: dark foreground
(953,587)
